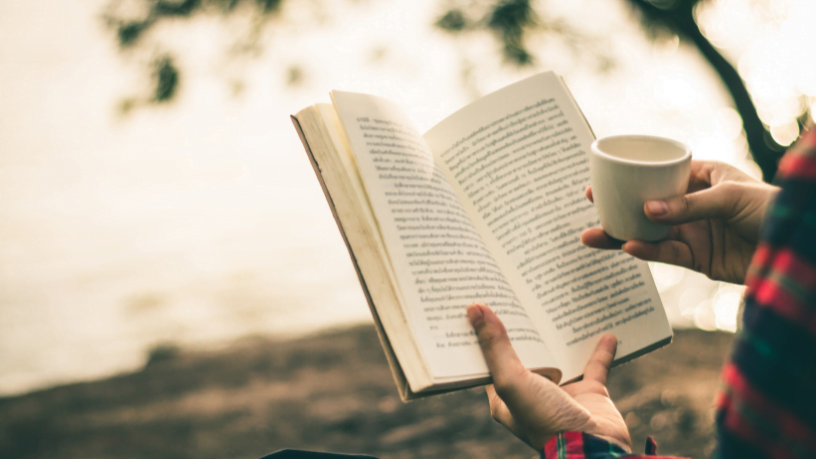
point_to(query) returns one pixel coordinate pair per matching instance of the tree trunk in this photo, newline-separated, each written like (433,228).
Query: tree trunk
(680,18)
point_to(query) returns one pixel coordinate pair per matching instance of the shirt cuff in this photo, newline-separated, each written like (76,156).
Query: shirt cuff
(580,445)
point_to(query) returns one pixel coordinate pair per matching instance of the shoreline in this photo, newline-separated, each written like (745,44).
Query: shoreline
(332,391)
(209,346)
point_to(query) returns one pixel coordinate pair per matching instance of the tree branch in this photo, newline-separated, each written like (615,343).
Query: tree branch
(680,18)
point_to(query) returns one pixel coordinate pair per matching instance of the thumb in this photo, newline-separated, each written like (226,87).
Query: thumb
(597,368)
(502,361)
(714,202)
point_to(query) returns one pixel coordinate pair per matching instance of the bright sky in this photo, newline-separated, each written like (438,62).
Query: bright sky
(202,221)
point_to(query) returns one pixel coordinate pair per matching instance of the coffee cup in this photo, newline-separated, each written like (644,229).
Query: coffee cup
(628,170)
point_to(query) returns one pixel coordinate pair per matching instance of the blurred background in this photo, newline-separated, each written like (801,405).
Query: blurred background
(154,194)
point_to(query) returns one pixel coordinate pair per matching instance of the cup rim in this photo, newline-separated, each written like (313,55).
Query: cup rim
(595,150)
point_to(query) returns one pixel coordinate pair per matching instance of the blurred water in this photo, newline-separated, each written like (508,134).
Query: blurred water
(202,222)
(195,224)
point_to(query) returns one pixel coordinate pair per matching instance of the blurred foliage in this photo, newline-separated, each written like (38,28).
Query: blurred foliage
(510,22)
(508,19)
(132,20)
(661,17)
(294,75)
(166,76)
(130,29)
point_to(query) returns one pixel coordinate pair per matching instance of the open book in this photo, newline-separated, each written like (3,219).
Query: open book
(488,206)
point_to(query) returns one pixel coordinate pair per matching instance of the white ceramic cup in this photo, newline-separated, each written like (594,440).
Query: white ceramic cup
(628,170)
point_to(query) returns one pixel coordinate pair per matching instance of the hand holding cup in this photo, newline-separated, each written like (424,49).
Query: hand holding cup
(716,223)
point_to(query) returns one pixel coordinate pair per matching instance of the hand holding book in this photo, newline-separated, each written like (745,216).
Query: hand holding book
(532,407)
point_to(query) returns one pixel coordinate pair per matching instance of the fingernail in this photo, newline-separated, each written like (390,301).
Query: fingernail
(657,207)
(475,314)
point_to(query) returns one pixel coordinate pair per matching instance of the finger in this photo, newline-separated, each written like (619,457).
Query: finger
(502,361)
(598,239)
(598,367)
(700,175)
(707,173)
(715,202)
(588,194)
(668,251)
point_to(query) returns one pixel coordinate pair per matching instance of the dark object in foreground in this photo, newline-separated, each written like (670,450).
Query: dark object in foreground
(333,392)
(300,454)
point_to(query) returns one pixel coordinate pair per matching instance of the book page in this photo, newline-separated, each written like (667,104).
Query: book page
(438,257)
(518,160)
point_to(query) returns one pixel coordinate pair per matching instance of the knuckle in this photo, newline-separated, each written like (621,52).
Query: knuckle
(734,191)
(684,203)
(717,169)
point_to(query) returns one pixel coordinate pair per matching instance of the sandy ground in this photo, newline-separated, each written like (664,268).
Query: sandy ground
(332,392)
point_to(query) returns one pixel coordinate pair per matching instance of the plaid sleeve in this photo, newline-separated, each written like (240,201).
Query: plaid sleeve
(767,408)
(579,445)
